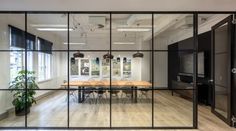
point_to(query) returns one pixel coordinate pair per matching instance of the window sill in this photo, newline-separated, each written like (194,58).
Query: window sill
(43,81)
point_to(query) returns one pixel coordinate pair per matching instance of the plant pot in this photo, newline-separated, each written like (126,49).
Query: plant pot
(22,112)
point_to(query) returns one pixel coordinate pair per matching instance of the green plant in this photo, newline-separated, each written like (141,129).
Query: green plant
(23,98)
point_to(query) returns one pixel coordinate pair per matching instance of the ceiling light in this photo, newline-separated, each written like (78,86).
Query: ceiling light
(78,55)
(134,29)
(140,55)
(48,25)
(54,29)
(123,43)
(71,43)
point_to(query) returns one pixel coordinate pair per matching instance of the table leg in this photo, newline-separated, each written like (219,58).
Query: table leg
(135,94)
(83,94)
(132,95)
(79,94)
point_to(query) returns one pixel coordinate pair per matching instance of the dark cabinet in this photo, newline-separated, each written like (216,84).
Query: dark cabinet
(177,49)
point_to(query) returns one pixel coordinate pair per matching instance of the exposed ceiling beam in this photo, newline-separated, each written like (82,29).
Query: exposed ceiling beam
(163,23)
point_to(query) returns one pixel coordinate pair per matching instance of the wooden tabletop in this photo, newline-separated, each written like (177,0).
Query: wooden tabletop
(107,83)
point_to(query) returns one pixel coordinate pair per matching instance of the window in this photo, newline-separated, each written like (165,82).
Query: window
(44,59)
(17,56)
(17,62)
(44,66)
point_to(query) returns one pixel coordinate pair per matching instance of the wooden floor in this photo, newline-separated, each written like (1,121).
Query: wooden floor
(169,110)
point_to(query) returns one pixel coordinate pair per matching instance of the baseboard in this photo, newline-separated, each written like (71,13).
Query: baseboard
(4,115)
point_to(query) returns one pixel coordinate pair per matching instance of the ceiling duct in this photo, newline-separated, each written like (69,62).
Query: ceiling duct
(99,21)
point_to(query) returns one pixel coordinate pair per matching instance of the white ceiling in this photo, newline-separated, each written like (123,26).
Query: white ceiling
(85,30)
(119,5)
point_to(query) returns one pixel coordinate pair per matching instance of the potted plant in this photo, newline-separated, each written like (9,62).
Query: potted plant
(22,98)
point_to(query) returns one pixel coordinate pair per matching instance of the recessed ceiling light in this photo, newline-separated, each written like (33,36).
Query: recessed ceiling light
(54,29)
(123,43)
(73,43)
(134,29)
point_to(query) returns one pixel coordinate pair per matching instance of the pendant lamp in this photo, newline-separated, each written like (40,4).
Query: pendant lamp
(108,56)
(78,55)
(138,55)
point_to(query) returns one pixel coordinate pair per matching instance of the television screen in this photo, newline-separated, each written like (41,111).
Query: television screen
(186,64)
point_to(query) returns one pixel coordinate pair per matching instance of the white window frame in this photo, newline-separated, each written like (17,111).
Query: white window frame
(44,67)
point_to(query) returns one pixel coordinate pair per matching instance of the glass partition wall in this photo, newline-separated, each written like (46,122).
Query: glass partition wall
(173,70)
(98,70)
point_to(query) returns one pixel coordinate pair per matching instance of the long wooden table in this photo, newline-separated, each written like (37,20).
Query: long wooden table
(113,85)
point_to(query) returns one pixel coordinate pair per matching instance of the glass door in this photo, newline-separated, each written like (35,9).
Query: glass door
(221,70)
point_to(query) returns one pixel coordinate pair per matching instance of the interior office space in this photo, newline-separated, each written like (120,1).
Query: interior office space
(118,70)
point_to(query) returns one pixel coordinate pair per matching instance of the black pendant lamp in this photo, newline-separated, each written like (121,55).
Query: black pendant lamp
(108,56)
(78,55)
(138,55)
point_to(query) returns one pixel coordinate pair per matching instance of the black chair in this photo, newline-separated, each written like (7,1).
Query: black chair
(127,92)
(89,92)
(144,93)
(114,92)
(72,93)
(101,92)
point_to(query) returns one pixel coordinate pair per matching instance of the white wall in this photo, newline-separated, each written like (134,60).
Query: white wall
(5,96)
(119,5)
(135,65)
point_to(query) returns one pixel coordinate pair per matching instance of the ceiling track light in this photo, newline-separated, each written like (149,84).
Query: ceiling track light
(78,55)
(108,56)
(138,55)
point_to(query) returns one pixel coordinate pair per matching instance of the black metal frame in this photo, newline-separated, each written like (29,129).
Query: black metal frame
(227,20)
(152,51)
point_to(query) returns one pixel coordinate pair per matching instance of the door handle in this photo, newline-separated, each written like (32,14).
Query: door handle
(234,70)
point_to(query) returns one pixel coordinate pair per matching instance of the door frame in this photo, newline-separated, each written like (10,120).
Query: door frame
(227,20)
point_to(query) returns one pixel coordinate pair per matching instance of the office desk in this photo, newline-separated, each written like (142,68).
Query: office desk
(113,85)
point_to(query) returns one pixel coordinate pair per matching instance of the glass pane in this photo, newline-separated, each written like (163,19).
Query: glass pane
(131,90)
(173,28)
(50,69)
(173,110)
(131,31)
(89,86)
(50,109)
(9,118)
(50,27)
(173,84)
(90,32)
(173,70)
(13,63)
(222,60)
(7,37)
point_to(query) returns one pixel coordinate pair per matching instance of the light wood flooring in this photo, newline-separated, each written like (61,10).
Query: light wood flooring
(51,111)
